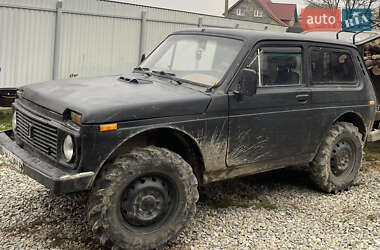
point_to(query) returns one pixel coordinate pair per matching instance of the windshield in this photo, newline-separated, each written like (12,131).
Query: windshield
(197,58)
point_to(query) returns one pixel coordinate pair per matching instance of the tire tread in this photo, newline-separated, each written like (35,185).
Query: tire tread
(320,172)
(128,164)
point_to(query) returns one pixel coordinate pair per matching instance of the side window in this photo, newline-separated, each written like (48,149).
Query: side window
(321,67)
(332,67)
(278,66)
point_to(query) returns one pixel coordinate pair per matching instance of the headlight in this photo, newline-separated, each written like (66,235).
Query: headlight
(68,148)
(14,121)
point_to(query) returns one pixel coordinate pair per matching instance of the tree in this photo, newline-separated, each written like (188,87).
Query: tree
(347,4)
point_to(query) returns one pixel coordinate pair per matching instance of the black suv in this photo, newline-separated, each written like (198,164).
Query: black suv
(206,105)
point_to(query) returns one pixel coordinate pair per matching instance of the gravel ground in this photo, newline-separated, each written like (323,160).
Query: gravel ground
(274,210)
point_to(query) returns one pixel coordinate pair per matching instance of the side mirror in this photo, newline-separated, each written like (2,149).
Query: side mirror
(142,58)
(248,82)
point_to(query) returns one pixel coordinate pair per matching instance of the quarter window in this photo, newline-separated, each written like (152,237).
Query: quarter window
(332,67)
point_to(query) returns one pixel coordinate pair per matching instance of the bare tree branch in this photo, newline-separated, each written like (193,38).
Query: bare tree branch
(348,4)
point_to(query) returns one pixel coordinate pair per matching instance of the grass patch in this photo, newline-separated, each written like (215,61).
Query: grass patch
(5,121)
(369,157)
(364,169)
(226,203)
(372,156)
(372,217)
(223,202)
(372,151)
(266,205)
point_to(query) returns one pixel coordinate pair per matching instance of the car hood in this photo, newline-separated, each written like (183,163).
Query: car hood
(109,99)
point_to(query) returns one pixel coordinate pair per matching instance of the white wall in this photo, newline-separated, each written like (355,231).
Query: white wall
(96,37)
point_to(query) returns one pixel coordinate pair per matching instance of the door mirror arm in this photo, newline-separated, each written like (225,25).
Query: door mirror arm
(142,58)
(237,95)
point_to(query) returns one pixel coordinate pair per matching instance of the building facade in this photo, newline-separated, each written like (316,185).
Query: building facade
(264,11)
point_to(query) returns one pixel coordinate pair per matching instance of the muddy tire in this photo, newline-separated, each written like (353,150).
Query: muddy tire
(143,199)
(338,161)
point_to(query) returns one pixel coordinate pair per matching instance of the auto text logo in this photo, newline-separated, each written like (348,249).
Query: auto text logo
(336,19)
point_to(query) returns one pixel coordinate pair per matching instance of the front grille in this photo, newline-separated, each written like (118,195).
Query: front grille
(40,135)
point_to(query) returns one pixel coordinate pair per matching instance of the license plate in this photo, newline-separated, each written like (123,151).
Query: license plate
(17,163)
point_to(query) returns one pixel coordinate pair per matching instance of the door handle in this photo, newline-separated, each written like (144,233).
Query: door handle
(303,98)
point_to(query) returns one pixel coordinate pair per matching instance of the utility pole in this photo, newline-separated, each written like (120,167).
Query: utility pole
(226,8)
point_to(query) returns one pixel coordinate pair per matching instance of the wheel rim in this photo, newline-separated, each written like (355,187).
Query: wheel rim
(343,157)
(147,202)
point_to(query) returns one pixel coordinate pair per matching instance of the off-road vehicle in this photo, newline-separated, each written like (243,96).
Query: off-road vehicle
(206,105)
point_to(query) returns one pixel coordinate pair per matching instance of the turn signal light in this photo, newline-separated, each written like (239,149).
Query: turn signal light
(19,93)
(77,118)
(371,103)
(108,127)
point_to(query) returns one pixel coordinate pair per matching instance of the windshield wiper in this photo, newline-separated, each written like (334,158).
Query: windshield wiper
(171,76)
(209,89)
(163,73)
(143,70)
(167,75)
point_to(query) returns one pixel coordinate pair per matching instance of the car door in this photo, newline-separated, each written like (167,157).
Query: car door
(273,126)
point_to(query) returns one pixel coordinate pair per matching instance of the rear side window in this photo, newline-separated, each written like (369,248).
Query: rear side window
(332,67)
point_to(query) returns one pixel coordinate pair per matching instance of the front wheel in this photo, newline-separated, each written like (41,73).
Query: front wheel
(143,199)
(338,161)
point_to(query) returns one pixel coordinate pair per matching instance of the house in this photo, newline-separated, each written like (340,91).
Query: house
(263,11)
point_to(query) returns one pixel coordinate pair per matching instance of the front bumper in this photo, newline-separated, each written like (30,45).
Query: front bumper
(55,179)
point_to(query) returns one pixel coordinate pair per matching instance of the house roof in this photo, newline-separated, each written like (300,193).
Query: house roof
(284,11)
(277,11)
(266,4)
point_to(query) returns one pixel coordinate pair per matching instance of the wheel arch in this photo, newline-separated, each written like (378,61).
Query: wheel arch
(322,170)
(350,117)
(171,138)
(354,118)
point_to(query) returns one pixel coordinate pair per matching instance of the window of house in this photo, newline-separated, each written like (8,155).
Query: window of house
(332,67)
(240,12)
(258,13)
(278,66)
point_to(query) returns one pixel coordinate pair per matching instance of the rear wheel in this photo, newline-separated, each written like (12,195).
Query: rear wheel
(143,199)
(338,161)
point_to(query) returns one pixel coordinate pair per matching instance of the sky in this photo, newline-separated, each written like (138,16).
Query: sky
(210,7)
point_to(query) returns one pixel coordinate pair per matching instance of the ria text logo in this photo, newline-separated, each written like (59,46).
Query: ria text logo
(336,19)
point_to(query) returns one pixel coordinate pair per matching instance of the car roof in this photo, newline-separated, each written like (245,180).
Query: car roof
(256,36)
(360,37)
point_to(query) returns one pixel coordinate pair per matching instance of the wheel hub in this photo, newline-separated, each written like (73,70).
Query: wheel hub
(146,201)
(342,157)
